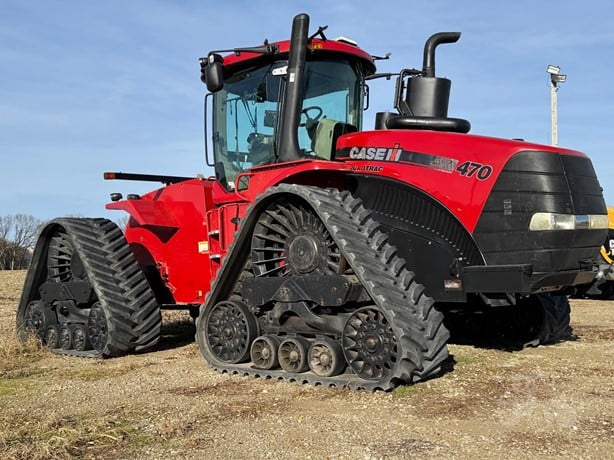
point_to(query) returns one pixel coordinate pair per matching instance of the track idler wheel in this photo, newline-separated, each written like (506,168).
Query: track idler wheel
(326,358)
(264,352)
(38,318)
(229,328)
(293,355)
(369,344)
(97,327)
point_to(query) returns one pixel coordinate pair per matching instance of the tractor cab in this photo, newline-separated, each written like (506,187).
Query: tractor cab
(292,100)
(252,99)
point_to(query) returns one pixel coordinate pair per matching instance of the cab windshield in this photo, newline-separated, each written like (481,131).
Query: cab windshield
(245,112)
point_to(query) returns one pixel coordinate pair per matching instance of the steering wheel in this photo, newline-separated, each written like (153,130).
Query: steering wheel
(310,121)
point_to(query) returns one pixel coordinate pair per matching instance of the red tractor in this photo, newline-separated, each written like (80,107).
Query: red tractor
(322,252)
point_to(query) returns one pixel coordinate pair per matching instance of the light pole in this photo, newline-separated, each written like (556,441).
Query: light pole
(556,77)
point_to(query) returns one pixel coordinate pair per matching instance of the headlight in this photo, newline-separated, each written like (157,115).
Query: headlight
(551,221)
(598,221)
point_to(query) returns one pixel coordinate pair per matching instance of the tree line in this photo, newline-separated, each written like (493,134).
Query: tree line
(18,235)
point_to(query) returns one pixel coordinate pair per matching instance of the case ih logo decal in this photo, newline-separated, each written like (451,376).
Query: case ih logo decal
(376,153)
(397,154)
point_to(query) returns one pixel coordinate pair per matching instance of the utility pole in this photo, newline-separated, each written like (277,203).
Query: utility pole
(556,77)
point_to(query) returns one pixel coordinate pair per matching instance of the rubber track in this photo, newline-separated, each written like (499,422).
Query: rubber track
(133,316)
(417,325)
(556,320)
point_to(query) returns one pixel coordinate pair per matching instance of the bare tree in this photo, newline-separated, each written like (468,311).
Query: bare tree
(6,225)
(26,230)
(17,238)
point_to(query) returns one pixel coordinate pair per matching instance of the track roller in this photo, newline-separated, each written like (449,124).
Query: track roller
(65,337)
(52,336)
(326,358)
(80,338)
(293,354)
(264,352)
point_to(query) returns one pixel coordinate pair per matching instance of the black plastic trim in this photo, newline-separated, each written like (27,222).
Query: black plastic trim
(537,181)
(429,237)
(457,125)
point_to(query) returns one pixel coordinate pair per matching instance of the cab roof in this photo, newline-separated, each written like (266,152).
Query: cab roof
(315,47)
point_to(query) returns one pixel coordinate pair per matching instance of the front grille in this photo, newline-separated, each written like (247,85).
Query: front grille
(534,181)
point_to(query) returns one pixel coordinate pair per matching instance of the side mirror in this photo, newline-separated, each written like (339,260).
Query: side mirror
(213,73)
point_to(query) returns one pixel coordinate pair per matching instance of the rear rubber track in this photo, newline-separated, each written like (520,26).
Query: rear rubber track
(132,315)
(418,327)
(555,320)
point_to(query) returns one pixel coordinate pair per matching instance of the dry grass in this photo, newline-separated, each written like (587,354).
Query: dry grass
(78,435)
(44,430)
(16,357)
(26,372)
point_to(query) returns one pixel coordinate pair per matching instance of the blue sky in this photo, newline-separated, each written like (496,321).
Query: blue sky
(88,87)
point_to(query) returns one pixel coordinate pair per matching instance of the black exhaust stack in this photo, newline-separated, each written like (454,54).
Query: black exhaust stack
(427,95)
(290,116)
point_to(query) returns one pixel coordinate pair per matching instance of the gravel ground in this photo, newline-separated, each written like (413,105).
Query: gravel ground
(546,402)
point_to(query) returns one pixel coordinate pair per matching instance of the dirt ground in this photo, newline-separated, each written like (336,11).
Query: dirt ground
(547,402)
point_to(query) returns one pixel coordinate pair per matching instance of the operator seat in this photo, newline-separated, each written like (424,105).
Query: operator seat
(324,143)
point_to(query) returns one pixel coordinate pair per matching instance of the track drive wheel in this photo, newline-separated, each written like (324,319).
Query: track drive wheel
(290,239)
(226,332)
(63,262)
